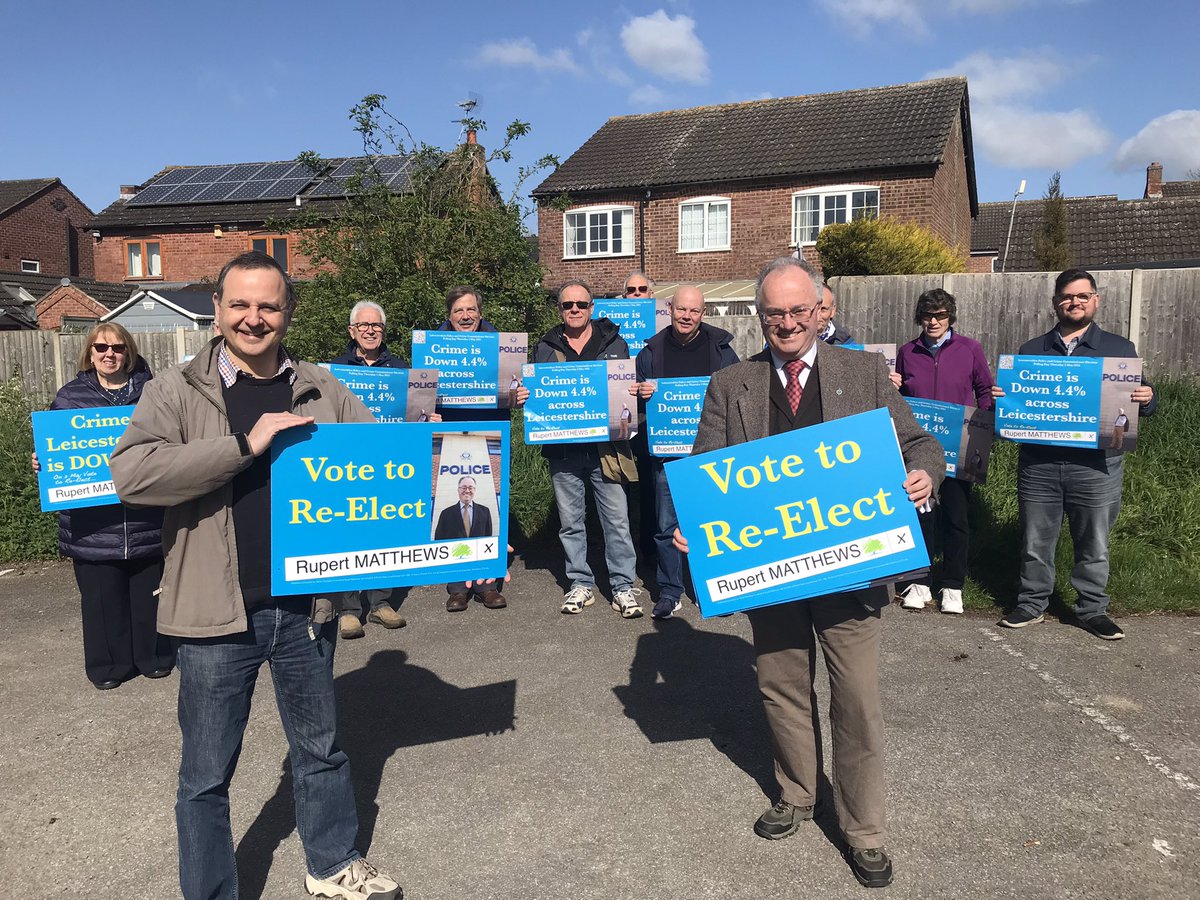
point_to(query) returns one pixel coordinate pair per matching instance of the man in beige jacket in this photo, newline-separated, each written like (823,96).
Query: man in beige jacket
(197,445)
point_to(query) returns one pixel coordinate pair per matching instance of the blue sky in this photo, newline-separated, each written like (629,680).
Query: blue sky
(105,93)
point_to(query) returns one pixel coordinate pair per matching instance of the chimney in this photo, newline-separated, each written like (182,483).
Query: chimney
(1153,181)
(471,136)
(129,190)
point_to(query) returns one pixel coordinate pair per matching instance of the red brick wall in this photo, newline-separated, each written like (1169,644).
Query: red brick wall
(37,230)
(63,301)
(761,224)
(983,263)
(189,253)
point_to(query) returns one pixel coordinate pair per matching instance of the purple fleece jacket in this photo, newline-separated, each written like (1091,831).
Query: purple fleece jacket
(957,373)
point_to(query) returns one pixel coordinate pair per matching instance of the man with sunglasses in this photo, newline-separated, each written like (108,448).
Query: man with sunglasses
(607,465)
(638,286)
(368,347)
(1085,484)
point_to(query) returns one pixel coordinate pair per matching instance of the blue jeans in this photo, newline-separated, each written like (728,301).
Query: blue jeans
(570,477)
(1089,492)
(670,560)
(216,683)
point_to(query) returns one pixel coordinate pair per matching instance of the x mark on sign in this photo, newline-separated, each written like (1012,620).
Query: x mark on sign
(901,538)
(488,548)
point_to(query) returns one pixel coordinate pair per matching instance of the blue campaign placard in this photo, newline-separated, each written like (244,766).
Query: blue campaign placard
(672,414)
(636,319)
(383,391)
(568,402)
(813,511)
(468,363)
(1049,400)
(945,422)
(73,446)
(360,506)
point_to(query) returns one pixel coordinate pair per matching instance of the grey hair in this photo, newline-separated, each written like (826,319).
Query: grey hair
(634,274)
(367,304)
(787,262)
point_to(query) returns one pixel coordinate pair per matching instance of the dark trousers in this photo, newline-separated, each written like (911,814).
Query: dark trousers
(949,521)
(120,619)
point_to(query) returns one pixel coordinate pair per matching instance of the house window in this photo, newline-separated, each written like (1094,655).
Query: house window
(31,266)
(275,246)
(813,210)
(704,224)
(598,231)
(143,259)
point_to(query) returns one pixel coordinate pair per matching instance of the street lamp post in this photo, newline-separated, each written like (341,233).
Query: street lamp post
(1013,216)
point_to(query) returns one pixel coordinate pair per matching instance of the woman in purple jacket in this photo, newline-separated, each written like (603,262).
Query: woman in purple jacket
(117,551)
(941,364)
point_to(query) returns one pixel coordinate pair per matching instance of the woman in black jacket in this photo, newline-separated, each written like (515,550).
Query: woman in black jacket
(117,551)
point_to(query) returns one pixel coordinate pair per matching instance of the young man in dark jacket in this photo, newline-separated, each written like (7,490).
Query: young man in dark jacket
(573,466)
(687,348)
(1086,484)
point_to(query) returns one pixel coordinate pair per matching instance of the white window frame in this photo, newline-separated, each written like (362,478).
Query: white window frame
(708,203)
(627,240)
(844,192)
(31,266)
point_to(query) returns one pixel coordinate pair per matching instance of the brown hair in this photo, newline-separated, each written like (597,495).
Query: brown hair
(123,337)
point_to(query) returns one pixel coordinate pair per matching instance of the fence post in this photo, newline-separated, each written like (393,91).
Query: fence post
(1135,306)
(180,346)
(59,377)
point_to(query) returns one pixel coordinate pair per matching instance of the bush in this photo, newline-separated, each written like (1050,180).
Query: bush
(25,531)
(869,246)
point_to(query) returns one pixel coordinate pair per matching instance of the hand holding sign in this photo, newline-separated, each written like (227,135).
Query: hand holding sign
(269,425)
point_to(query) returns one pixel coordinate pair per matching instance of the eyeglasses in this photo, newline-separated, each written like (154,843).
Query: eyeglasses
(938,316)
(1067,298)
(637,289)
(104,348)
(576,304)
(367,326)
(799,314)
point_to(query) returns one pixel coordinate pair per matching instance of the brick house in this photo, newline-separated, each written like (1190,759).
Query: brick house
(42,229)
(186,222)
(709,194)
(53,303)
(1160,230)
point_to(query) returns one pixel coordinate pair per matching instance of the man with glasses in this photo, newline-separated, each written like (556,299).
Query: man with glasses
(605,465)
(368,347)
(638,285)
(1085,484)
(796,382)
(687,348)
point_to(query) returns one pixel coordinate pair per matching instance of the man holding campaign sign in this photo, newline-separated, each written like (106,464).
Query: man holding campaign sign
(844,477)
(1054,390)
(673,368)
(944,373)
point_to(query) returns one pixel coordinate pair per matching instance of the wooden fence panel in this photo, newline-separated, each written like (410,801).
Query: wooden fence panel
(1169,328)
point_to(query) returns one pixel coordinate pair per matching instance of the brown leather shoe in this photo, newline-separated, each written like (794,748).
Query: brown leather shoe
(387,617)
(456,603)
(492,599)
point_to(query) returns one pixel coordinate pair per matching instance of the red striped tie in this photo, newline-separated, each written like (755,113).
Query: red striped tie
(793,368)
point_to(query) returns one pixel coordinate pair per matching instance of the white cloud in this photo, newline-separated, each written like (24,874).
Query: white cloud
(523,52)
(1016,136)
(861,16)
(667,47)
(994,79)
(1173,140)
(647,95)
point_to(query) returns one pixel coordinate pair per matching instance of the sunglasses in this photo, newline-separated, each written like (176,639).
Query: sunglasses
(637,289)
(104,348)
(576,304)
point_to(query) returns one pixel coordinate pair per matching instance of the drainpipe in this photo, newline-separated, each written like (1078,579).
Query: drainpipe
(642,229)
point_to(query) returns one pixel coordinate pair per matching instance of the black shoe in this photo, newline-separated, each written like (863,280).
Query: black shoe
(160,673)
(872,868)
(106,685)
(1104,628)
(782,820)
(1019,618)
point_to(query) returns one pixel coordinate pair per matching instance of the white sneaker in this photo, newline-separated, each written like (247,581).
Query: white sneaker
(952,601)
(576,599)
(358,881)
(915,596)
(625,602)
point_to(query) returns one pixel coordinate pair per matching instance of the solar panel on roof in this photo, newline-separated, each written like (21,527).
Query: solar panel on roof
(285,188)
(214,192)
(184,193)
(241,172)
(400,181)
(150,195)
(346,167)
(250,190)
(175,176)
(273,171)
(333,186)
(390,165)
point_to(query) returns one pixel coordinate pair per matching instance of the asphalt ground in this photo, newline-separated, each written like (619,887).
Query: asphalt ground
(523,753)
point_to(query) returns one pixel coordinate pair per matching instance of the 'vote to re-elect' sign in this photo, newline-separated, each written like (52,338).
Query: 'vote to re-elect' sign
(965,433)
(392,395)
(352,506)
(1068,401)
(813,511)
(73,446)
(579,402)
(478,369)
(637,320)
(673,413)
